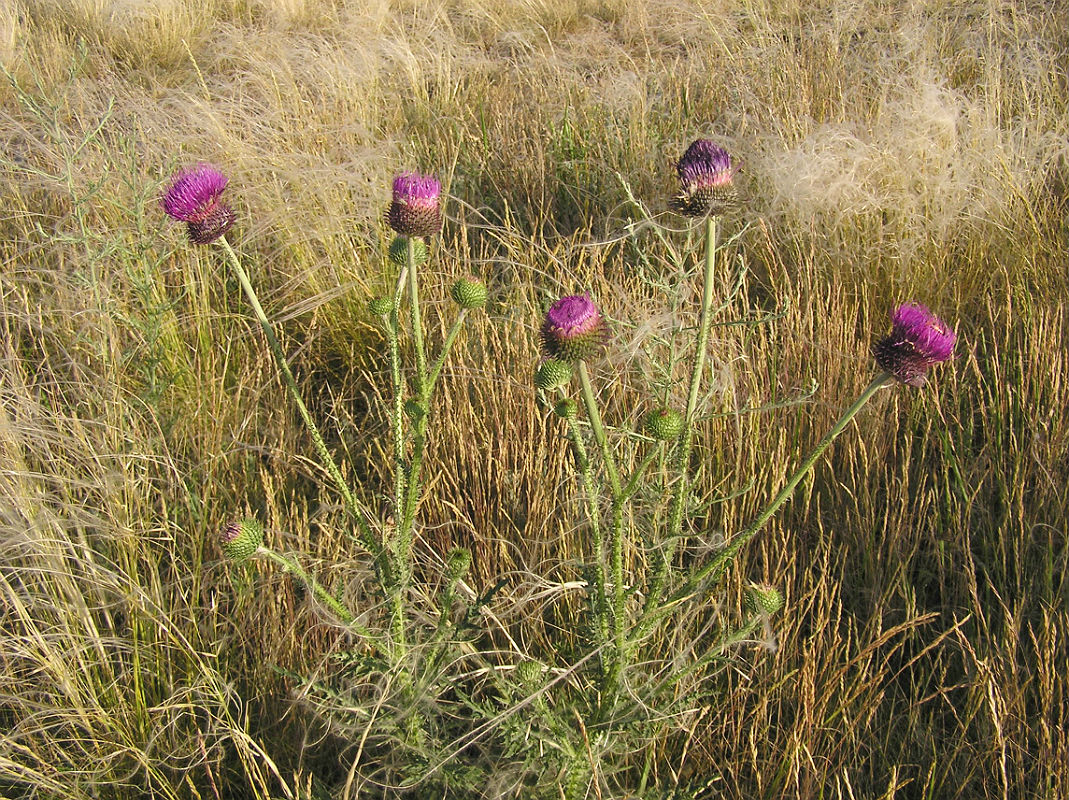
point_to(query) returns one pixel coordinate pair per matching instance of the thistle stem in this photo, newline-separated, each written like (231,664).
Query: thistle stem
(446,348)
(355,507)
(290,564)
(586,472)
(686,441)
(716,568)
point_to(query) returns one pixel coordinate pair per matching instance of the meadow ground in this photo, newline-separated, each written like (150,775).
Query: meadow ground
(891,151)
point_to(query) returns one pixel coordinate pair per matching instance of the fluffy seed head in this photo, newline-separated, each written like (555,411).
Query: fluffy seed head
(241,538)
(664,424)
(469,293)
(918,340)
(415,209)
(193,198)
(574,329)
(706,181)
(552,374)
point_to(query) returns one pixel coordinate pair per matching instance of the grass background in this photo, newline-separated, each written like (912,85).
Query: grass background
(892,151)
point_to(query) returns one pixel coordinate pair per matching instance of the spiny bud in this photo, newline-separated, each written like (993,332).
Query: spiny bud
(241,538)
(469,293)
(457,563)
(566,409)
(415,409)
(529,673)
(380,306)
(399,251)
(764,599)
(664,424)
(552,374)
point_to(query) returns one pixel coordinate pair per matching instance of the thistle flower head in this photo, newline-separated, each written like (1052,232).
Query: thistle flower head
(764,599)
(415,209)
(574,329)
(193,198)
(241,538)
(918,340)
(706,181)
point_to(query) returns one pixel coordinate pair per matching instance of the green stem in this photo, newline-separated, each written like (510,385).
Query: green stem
(446,347)
(599,430)
(716,568)
(686,442)
(417,324)
(355,507)
(586,473)
(290,564)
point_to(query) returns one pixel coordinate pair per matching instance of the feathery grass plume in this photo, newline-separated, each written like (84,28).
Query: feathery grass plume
(415,209)
(574,329)
(241,539)
(194,198)
(918,340)
(706,181)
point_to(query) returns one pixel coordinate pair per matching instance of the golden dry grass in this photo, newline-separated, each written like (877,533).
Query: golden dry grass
(892,151)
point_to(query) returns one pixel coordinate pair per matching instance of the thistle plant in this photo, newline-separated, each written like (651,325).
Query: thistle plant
(194,197)
(573,333)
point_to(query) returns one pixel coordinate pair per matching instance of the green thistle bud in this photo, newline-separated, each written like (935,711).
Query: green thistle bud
(566,409)
(415,410)
(529,673)
(664,424)
(764,599)
(457,563)
(552,374)
(399,251)
(241,538)
(469,293)
(380,306)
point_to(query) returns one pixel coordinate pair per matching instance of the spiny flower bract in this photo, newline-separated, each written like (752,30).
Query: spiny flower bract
(415,209)
(574,329)
(194,198)
(706,181)
(918,340)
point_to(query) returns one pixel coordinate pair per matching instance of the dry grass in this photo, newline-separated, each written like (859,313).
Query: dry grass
(893,151)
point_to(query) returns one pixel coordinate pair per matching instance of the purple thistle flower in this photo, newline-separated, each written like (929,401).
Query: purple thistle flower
(918,340)
(706,181)
(415,209)
(193,198)
(574,329)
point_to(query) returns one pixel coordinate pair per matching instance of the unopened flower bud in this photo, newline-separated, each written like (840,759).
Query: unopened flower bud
(764,599)
(380,306)
(664,424)
(566,409)
(399,251)
(469,293)
(552,374)
(241,538)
